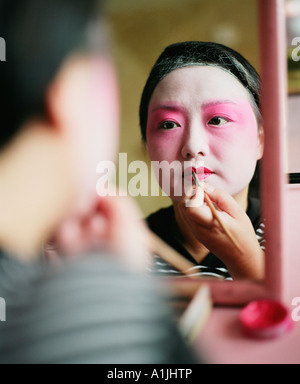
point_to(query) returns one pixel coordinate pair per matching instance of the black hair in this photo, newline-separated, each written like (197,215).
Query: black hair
(190,53)
(39,34)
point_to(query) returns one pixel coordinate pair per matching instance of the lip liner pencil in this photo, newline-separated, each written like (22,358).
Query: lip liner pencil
(168,254)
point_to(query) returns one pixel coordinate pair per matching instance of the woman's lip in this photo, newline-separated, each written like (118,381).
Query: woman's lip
(201,172)
(203,176)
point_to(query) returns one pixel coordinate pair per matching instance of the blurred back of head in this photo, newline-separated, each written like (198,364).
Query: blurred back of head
(39,35)
(59,115)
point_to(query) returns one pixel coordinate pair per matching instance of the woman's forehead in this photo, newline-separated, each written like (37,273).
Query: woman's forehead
(199,81)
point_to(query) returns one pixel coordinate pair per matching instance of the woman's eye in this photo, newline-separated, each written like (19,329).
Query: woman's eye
(169,125)
(218,121)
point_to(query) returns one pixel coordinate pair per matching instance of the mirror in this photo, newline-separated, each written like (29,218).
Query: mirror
(141,29)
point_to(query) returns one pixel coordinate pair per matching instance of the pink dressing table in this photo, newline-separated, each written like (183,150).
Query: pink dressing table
(222,339)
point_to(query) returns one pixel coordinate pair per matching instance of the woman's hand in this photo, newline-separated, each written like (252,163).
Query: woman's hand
(115,225)
(200,228)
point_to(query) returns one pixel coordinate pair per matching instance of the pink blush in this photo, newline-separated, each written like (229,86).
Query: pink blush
(158,135)
(240,115)
(157,117)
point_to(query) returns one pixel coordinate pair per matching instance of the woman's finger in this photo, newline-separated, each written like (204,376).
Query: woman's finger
(224,201)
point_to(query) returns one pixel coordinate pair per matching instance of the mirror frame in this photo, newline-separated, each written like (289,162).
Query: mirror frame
(273,70)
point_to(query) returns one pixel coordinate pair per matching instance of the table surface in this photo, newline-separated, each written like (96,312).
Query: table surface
(222,340)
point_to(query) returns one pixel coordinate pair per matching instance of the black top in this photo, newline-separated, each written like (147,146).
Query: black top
(163,224)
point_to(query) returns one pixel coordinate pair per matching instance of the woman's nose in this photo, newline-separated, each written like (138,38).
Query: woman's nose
(195,142)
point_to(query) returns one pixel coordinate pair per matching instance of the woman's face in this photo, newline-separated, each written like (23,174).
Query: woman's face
(202,117)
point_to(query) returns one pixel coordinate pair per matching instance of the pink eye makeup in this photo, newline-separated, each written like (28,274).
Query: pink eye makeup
(222,113)
(166,117)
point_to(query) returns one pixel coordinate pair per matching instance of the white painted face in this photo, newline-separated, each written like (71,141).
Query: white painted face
(205,116)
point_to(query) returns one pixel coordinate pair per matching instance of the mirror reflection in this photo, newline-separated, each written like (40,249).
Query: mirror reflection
(200,109)
(199,112)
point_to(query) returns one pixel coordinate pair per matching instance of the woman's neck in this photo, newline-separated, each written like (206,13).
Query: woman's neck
(242,198)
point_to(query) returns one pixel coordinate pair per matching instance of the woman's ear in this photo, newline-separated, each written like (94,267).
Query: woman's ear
(83,103)
(64,93)
(260,142)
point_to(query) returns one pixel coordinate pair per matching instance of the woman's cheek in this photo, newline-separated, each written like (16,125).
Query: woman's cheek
(161,144)
(248,126)
(160,149)
(240,166)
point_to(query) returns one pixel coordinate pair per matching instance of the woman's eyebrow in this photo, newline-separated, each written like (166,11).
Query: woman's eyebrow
(169,107)
(217,102)
(175,107)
